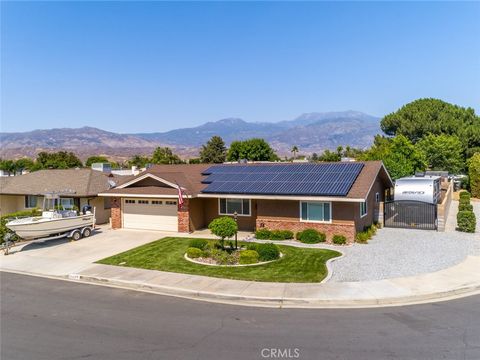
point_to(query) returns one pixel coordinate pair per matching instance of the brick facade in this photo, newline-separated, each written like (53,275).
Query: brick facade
(184,217)
(345,229)
(116,213)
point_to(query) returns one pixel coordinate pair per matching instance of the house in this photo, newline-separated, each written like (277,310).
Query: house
(75,186)
(335,198)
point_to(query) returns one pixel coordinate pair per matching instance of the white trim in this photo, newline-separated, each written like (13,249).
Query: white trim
(227,214)
(148,175)
(282,197)
(360,209)
(316,221)
(144,196)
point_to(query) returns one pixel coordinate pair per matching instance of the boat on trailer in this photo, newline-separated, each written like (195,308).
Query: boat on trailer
(55,221)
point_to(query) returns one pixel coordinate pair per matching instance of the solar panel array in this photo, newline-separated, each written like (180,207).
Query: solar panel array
(329,179)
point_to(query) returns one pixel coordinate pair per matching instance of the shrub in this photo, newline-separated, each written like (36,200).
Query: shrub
(464,195)
(268,252)
(367,233)
(7,217)
(248,257)
(466,221)
(193,252)
(252,246)
(474,174)
(263,234)
(223,227)
(223,257)
(465,207)
(339,239)
(198,243)
(311,236)
(281,235)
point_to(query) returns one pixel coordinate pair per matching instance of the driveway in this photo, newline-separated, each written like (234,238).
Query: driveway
(61,257)
(405,252)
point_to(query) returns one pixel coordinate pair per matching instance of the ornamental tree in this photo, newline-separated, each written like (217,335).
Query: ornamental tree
(223,227)
(474,174)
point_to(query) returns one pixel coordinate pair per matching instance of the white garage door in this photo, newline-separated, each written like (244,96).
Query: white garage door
(147,214)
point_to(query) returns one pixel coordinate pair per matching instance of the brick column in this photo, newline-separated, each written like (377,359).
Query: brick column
(116,213)
(184,217)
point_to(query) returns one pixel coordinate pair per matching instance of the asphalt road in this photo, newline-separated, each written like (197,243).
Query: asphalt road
(52,319)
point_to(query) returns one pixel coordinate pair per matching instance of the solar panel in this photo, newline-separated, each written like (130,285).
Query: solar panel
(282,179)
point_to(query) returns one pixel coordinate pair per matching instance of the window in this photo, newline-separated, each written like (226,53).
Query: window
(30,201)
(363,209)
(377,197)
(143,201)
(230,206)
(129,201)
(67,203)
(316,211)
(107,203)
(157,202)
(170,203)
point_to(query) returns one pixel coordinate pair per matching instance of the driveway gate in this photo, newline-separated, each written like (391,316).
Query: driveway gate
(410,214)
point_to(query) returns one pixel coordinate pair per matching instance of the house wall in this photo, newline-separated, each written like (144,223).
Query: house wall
(102,215)
(197,214)
(285,215)
(245,223)
(11,203)
(373,208)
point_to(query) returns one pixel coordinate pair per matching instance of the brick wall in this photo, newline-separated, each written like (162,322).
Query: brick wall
(184,217)
(346,229)
(116,213)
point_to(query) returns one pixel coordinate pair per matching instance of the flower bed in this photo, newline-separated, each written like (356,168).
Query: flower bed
(212,262)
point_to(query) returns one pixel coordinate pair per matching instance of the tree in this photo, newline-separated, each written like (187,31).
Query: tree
(214,151)
(400,156)
(442,152)
(253,149)
(7,165)
(24,164)
(96,159)
(294,151)
(474,174)
(138,160)
(165,155)
(330,156)
(314,157)
(57,160)
(223,227)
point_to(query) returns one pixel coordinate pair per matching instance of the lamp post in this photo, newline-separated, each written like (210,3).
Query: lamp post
(235,217)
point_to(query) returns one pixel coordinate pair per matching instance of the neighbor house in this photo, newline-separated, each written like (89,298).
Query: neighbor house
(335,198)
(76,187)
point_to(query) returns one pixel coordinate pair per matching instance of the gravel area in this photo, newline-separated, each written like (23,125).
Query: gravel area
(405,252)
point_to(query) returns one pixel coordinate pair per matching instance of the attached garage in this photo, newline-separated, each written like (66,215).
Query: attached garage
(150,214)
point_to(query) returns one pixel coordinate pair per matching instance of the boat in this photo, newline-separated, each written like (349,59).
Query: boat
(55,220)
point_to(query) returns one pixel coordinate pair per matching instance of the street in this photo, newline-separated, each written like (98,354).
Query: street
(52,319)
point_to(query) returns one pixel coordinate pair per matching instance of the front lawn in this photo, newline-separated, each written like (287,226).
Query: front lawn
(167,254)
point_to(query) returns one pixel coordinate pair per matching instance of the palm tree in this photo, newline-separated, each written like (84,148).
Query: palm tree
(294,151)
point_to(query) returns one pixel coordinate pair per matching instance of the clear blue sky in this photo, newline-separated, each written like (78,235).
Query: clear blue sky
(155,66)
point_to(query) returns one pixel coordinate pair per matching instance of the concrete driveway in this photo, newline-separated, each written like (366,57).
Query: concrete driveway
(61,257)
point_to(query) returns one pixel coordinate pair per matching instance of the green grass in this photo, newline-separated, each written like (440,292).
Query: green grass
(297,264)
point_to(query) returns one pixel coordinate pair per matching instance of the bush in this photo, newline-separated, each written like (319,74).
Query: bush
(223,227)
(193,252)
(281,235)
(465,207)
(268,252)
(198,243)
(223,257)
(7,217)
(252,246)
(464,195)
(366,234)
(311,236)
(263,234)
(474,174)
(248,257)
(466,221)
(339,239)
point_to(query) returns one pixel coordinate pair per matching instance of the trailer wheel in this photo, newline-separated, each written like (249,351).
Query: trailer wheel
(76,235)
(87,232)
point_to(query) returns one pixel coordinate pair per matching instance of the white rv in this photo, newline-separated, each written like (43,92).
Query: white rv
(418,188)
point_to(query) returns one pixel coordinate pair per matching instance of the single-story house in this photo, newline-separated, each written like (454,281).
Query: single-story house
(75,187)
(335,198)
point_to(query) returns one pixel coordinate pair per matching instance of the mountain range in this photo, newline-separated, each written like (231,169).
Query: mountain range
(310,132)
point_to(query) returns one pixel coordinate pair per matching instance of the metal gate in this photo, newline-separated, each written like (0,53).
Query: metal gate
(411,215)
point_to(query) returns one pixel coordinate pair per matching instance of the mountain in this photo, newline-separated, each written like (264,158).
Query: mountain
(311,132)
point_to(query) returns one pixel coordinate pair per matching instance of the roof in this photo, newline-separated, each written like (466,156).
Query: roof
(74,182)
(193,179)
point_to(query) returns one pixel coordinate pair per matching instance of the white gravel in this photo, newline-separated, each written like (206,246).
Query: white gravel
(405,252)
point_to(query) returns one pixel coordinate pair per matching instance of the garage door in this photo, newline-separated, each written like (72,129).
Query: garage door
(147,214)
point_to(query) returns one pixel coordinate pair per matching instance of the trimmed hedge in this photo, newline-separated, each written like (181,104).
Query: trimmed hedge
(464,194)
(198,243)
(466,221)
(268,252)
(248,257)
(311,236)
(265,234)
(193,252)
(339,239)
(465,207)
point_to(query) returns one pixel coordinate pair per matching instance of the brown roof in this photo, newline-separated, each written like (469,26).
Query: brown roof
(74,182)
(190,177)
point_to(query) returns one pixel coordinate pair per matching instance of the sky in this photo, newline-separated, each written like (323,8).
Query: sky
(154,66)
